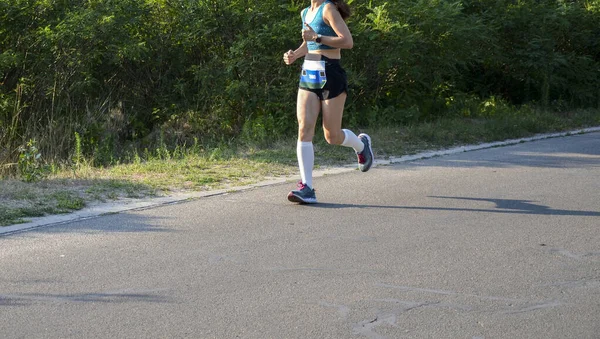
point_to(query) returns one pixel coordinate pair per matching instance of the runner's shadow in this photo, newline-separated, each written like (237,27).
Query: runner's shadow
(506,206)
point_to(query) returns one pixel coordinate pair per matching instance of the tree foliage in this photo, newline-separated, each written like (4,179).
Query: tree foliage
(133,72)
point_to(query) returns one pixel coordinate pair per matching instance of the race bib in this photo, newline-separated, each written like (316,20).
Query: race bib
(313,74)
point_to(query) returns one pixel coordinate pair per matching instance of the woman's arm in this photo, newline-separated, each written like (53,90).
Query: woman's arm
(290,56)
(334,19)
(301,51)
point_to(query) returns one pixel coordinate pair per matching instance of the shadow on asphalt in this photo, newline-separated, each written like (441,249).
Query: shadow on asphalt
(506,206)
(115,223)
(24,299)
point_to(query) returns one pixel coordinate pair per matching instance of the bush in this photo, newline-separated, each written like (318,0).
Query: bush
(138,73)
(30,164)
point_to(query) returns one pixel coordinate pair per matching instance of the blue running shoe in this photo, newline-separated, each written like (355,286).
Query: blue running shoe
(365,158)
(303,195)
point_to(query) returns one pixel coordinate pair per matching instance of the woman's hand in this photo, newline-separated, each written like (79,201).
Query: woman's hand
(308,34)
(289,57)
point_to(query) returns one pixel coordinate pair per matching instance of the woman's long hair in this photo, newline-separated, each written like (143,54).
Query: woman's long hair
(343,8)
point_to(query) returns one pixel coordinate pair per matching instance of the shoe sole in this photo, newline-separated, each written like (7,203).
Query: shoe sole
(297,199)
(370,152)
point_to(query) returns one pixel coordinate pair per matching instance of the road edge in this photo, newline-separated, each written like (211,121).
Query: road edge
(125,205)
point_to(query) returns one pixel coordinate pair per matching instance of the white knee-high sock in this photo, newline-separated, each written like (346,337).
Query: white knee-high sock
(351,140)
(306,161)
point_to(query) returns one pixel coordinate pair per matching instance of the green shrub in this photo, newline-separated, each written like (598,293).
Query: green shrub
(30,164)
(120,73)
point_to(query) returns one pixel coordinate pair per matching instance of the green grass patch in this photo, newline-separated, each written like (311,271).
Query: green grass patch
(21,200)
(28,202)
(67,201)
(11,216)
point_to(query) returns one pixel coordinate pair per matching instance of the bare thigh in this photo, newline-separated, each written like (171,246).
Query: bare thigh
(308,108)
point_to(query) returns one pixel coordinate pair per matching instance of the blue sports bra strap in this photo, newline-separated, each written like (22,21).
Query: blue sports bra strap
(320,11)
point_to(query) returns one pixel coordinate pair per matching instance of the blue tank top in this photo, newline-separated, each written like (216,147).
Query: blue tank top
(319,26)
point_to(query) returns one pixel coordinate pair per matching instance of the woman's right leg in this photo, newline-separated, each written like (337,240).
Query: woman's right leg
(308,108)
(307,112)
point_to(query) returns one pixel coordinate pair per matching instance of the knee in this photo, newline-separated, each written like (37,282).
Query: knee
(305,134)
(334,137)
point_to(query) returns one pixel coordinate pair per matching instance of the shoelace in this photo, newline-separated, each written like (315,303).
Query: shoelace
(301,186)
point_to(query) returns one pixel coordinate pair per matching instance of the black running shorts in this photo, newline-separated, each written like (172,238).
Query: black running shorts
(337,82)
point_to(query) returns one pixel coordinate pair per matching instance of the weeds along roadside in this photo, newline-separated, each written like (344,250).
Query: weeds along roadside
(41,188)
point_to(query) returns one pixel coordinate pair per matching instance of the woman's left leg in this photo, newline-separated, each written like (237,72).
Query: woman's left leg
(333,111)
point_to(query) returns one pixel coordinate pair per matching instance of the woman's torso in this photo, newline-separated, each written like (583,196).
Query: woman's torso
(318,23)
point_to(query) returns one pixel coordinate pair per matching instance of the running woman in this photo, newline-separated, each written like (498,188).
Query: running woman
(323,88)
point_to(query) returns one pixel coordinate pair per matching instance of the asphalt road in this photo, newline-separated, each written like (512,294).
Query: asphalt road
(496,243)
